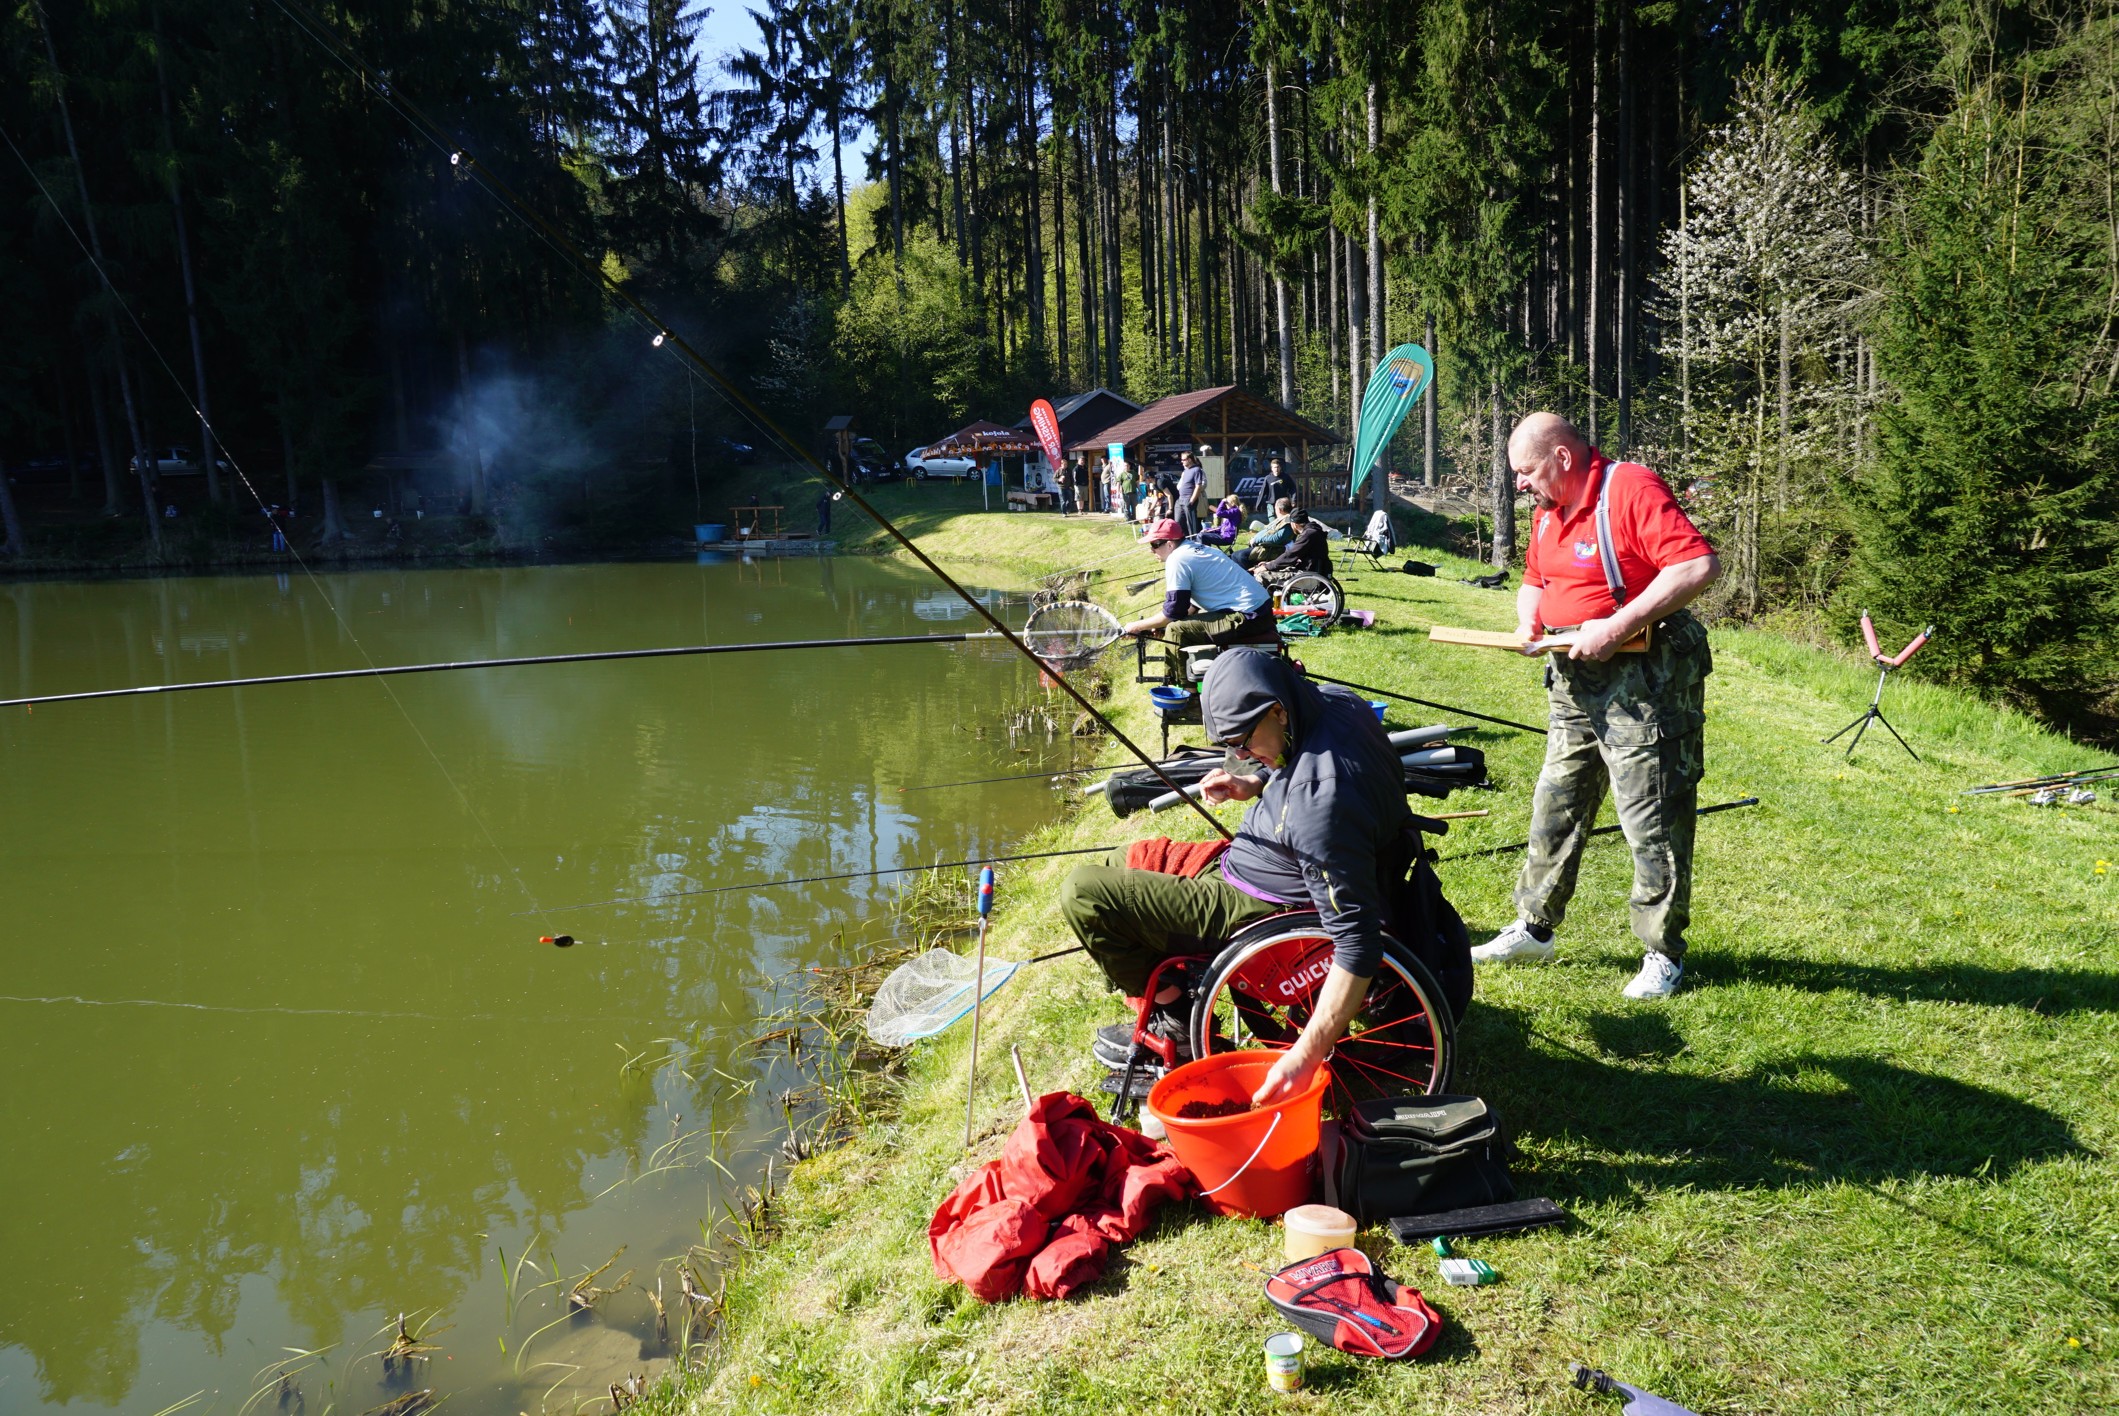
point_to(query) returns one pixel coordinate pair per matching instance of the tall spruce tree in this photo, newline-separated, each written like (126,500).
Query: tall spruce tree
(1992,508)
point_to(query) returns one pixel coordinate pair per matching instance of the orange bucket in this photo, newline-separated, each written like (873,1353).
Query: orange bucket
(1253,1163)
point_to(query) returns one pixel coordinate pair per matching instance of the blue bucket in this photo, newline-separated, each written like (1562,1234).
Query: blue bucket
(709,533)
(1379,707)
(1170,698)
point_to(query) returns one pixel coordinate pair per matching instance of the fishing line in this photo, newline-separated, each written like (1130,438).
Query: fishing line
(814,879)
(591,656)
(273,1010)
(1012,777)
(460,157)
(1600,831)
(119,299)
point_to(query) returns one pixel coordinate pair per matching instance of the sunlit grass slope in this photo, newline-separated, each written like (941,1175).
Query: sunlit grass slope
(1861,1163)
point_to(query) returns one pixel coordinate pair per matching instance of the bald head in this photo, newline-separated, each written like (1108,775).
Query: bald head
(1537,435)
(1550,459)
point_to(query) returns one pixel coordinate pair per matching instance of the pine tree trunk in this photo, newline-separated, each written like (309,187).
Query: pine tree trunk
(191,299)
(1380,491)
(1503,484)
(335,532)
(1430,413)
(838,187)
(1059,241)
(1623,215)
(1599,241)
(99,415)
(1787,395)
(143,461)
(17,544)
(467,429)
(1284,337)
(1092,359)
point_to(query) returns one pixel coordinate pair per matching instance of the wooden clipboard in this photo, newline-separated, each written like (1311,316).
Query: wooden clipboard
(1507,639)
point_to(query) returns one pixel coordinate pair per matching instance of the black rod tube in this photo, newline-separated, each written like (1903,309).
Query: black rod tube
(1424,703)
(387,670)
(814,879)
(1600,831)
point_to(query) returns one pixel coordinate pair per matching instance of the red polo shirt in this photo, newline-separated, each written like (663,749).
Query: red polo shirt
(1648,530)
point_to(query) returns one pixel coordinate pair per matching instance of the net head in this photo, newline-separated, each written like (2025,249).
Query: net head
(1070,633)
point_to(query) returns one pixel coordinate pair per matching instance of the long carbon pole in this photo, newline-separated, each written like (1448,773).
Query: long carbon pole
(461,157)
(390,670)
(1424,703)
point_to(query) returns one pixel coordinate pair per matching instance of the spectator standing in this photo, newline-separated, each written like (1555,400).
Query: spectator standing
(1063,484)
(1277,485)
(1190,478)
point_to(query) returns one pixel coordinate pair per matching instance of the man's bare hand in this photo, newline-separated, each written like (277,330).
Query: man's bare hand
(1597,639)
(1219,786)
(1289,1076)
(1528,633)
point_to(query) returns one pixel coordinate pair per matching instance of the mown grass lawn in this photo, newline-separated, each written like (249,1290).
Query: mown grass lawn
(1861,1163)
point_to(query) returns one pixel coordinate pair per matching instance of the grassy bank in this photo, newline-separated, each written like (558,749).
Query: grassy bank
(1862,1162)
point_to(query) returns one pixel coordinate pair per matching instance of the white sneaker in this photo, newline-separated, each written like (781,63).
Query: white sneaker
(1513,945)
(1658,977)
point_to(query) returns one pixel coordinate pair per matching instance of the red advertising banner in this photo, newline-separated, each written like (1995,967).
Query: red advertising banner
(1046,422)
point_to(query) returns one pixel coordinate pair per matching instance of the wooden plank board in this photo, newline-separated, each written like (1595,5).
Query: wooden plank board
(1507,639)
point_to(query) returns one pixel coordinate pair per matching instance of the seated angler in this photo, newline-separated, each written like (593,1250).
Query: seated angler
(1328,829)
(1310,551)
(1272,538)
(1207,598)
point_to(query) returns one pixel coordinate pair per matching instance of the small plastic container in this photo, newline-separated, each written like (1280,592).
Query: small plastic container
(1467,1273)
(1379,707)
(1170,698)
(1315,1229)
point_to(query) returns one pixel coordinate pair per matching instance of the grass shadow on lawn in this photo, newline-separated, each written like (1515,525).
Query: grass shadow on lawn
(2049,992)
(1803,1122)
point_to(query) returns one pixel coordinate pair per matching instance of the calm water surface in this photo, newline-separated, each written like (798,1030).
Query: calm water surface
(284,1056)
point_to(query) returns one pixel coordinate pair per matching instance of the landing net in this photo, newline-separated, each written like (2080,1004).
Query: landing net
(1071,633)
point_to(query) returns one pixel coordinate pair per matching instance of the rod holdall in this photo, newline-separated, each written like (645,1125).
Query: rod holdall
(1338,1297)
(1408,1155)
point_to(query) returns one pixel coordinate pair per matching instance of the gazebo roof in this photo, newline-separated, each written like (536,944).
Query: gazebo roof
(981,437)
(1223,414)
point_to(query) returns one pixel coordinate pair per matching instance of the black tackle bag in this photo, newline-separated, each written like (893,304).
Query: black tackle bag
(1405,1155)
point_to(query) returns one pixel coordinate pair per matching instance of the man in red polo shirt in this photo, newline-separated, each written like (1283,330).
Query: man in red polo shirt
(1611,554)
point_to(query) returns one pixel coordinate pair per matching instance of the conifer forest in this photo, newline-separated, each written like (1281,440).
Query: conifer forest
(1846,273)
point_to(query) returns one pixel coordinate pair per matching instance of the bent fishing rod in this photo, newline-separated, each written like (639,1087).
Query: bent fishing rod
(392,670)
(461,158)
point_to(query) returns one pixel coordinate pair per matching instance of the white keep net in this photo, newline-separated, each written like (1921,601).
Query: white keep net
(926,995)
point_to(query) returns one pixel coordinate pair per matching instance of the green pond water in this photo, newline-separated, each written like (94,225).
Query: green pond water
(284,1056)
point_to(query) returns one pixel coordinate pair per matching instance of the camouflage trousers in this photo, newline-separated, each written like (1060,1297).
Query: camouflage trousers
(1637,724)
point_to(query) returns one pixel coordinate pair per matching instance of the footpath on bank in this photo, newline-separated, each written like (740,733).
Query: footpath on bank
(1863,1161)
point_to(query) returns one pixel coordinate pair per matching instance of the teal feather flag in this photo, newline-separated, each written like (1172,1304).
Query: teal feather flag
(1398,383)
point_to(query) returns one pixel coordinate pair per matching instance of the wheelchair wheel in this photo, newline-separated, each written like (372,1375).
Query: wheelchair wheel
(1261,989)
(1311,591)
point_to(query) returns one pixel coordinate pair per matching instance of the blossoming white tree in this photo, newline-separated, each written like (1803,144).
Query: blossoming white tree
(1760,278)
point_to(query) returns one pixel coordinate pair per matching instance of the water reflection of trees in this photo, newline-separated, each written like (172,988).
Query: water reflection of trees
(295,848)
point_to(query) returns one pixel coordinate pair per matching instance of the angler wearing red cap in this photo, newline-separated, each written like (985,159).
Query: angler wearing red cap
(1207,598)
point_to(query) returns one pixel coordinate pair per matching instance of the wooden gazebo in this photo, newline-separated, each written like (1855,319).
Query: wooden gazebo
(1225,419)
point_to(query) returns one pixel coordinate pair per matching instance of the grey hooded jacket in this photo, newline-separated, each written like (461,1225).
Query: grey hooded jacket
(1332,822)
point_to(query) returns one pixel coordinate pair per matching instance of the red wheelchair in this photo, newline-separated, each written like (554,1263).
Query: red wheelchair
(1261,990)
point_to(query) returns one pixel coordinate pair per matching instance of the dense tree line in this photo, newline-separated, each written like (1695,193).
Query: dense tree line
(1848,273)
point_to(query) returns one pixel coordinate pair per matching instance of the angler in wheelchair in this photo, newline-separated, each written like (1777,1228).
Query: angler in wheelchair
(1302,575)
(1320,930)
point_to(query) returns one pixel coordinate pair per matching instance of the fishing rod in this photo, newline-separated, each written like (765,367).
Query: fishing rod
(391,670)
(2057,779)
(1020,776)
(1600,831)
(815,879)
(462,159)
(1424,703)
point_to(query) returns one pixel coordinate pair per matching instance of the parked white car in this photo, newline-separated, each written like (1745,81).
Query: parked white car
(920,464)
